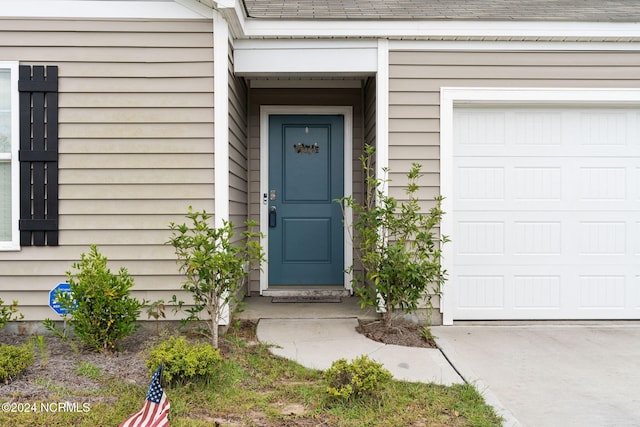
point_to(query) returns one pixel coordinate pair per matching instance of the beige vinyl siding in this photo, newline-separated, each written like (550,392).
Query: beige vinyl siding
(415,79)
(136,146)
(289,96)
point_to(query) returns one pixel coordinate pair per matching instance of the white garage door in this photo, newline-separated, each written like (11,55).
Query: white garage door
(546,213)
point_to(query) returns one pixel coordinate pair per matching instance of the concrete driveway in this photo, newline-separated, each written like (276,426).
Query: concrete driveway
(551,375)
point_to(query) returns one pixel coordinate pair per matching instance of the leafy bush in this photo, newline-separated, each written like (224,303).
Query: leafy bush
(359,378)
(99,308)
(214,264)
(184,360)
(9,313)
(397,245)
(14,360)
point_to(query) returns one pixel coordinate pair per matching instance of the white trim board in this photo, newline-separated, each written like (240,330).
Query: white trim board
(14,243)
(268,57)
(221,119)
(552,46)
(537,30)
(293,83)
(452,97)
(382,113)
(265,112)
(99,9)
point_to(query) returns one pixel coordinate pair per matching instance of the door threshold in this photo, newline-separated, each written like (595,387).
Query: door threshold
(306,292)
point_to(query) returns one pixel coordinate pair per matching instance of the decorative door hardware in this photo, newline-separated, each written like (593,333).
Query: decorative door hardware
(272,217)
(308,149)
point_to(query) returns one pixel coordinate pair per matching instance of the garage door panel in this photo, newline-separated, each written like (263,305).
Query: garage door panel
(609,128)
(537,237)
(634,301)
(602,238)
(542,263)
(603,183)
(542,128)
(547,296)
(551,151)
(480,238)
(546,213)
(566,237)
(537,291)
(481,291)
(547,132)
(537,182)
(480,182)
(518,179)
(480,128)
(601,291)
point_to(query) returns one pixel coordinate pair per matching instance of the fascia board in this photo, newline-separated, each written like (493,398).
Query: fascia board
(255,44)
(466,45)
(233,12)
(235,19)
(422,28)
(197,7)
(225,4)
(97,9)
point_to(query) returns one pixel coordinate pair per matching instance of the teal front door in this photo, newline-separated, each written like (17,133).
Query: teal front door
(306,175)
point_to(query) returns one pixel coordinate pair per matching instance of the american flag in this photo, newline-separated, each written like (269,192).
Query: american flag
(155,412)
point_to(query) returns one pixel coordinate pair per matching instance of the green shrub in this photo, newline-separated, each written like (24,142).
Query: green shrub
(14,360)
(99,308)
(184,360)
(397,244)
(9,313)
(362,377)
(215,265)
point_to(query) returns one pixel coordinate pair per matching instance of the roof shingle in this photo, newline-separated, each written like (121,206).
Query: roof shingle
(500,10)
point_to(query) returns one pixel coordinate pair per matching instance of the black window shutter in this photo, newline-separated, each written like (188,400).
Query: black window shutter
(38,87)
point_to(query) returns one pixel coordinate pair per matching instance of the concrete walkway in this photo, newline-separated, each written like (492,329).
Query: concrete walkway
(316,343)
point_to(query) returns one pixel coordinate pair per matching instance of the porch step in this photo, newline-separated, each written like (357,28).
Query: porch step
(288,294)
(304,299)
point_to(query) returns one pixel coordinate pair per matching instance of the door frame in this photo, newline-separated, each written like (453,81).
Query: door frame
(265,112)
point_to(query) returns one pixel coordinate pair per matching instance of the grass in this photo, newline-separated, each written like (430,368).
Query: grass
(254,388)
(89,370)
(37,342)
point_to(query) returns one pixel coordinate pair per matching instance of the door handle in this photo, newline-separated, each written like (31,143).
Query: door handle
(272,217)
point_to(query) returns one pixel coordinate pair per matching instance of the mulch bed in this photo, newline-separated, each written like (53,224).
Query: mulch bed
(400,332)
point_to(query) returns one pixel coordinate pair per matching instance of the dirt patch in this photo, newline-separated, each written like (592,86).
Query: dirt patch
(399,332)
(55,371)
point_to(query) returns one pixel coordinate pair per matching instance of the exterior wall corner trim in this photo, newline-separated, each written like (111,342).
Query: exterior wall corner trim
(221,118)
